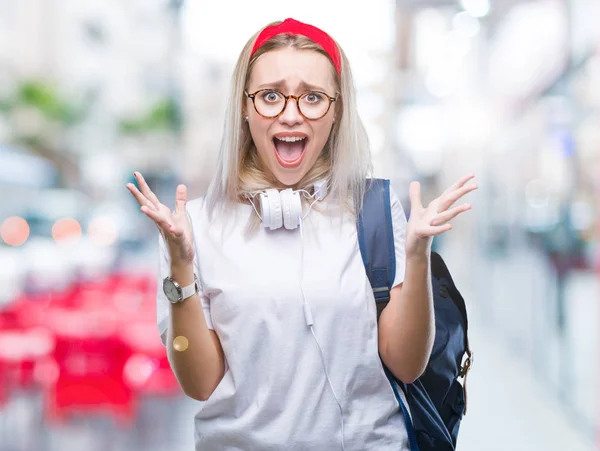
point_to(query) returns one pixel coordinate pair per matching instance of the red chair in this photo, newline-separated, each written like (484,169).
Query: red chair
(3,385)
(148,371)
(107,348)
(90,359)
(20,351)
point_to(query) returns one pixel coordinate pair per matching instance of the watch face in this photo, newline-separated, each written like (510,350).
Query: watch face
(171,290)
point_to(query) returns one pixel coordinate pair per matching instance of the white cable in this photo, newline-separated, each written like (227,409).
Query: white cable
(308,211)
(251,199)
(331,386)
(309,323)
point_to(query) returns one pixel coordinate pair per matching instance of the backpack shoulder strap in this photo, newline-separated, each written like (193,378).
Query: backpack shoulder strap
(376,240)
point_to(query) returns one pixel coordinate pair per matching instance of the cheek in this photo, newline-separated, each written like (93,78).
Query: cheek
(321,133)
(259,133)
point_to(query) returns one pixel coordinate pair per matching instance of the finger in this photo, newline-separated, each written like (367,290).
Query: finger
(141,199)
(449,200)
(460,182)
(448,215)
(180,198)
(434,230)
(146,189)
(157,217)
(414,192)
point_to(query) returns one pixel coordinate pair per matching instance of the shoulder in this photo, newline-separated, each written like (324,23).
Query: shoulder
(398,213)
(397,196)
(196,204)
(199,213)
(196,211)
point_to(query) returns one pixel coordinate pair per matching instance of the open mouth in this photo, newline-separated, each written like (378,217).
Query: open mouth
(290,150)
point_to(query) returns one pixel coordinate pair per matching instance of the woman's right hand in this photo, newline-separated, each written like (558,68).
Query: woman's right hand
(173,226)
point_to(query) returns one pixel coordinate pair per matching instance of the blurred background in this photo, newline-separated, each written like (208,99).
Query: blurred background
(91,91)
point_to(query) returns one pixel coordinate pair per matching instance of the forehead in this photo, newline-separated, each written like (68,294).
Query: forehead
(294,69)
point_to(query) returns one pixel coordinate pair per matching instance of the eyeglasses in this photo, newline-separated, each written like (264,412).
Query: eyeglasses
(270,103)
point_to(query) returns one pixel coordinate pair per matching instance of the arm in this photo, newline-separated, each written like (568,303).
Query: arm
(199,363)
(201,366)
(407,324)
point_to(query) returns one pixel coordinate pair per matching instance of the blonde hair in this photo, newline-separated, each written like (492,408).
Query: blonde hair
(344,161)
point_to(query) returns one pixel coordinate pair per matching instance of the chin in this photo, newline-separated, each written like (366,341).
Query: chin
(289,179)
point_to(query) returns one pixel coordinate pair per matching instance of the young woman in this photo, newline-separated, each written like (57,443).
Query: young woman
(279,337)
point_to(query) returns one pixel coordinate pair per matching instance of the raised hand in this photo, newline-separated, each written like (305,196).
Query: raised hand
(426,222)
(173,226)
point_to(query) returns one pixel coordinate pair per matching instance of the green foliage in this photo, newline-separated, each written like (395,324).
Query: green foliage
(44,98)
(4,106)
(163,116)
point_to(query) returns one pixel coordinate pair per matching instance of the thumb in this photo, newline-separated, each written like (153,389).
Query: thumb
(180,199)
(414,191)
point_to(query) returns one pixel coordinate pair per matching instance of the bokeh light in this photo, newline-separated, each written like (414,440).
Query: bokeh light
(66,229)
(180,343)
(138,369)
(14,231)
(102,231)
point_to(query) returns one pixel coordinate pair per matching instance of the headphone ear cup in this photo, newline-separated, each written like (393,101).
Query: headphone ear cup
(265,211)
(296,208)
(270,207)
(291,208)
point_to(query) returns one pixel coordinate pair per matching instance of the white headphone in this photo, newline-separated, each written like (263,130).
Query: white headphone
(284,208)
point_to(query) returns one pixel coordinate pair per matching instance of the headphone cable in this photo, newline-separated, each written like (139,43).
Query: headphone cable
(309,323)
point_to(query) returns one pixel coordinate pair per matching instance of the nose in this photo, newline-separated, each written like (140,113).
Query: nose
(291,114)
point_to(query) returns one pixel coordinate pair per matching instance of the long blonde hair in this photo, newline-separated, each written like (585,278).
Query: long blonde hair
(345,160)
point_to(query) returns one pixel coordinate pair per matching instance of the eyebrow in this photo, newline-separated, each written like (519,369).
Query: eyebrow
(282,83)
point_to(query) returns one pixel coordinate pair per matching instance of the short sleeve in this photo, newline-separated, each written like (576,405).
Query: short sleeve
(162,303)
(399,226)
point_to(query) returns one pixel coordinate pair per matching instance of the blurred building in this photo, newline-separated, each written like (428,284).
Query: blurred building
(509,90)
(117,61)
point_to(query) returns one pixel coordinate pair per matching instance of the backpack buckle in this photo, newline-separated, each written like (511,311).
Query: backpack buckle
(382,294)
(466,366)
(464,370)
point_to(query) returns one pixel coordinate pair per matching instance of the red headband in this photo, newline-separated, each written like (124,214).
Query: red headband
(293,27)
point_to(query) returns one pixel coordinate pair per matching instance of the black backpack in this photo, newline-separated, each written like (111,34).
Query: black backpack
(437,400)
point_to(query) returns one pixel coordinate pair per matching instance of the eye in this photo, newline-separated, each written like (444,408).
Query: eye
(314,97)
(271,96)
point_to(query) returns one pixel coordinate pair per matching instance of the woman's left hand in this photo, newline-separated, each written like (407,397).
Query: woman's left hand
(426,222)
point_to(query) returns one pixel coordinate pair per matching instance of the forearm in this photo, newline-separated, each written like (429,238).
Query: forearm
(200,366)
(412,322)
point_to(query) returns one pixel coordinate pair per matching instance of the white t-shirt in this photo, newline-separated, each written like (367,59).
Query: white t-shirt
(275,394)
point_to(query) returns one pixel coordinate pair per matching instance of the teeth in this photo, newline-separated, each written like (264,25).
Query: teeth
(290,139)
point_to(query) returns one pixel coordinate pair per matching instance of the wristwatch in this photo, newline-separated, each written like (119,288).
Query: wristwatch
(175,293)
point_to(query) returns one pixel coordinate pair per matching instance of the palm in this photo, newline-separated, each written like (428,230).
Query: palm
(180,232)
(426,222)
(174,226)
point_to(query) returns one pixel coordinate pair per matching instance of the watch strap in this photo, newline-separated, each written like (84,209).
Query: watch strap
(189,290)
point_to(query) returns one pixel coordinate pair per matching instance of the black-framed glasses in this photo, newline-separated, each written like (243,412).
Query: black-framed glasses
(271,103)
